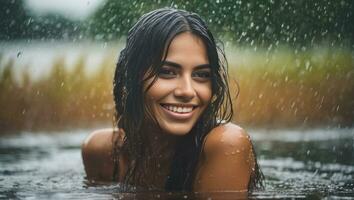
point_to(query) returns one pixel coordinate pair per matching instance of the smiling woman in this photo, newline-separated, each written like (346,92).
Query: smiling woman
(173,113)
(182,90)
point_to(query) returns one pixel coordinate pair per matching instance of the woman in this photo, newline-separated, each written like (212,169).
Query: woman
(173,113)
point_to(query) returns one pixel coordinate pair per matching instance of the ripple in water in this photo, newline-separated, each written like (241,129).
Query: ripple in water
(297,164)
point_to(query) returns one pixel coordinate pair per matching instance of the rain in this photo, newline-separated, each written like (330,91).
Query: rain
(291,68)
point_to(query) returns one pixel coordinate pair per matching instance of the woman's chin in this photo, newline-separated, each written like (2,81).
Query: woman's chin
(178,130)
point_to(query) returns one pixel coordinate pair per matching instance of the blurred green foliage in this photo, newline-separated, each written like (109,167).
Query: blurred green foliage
(297,23)
(16,22)
(294,22)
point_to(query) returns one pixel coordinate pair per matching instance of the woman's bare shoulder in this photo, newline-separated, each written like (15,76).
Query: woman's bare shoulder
(227,160)
(227,136)
(98,141)
(97,155)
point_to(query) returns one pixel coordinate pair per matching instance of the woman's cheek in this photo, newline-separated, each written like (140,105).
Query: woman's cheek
(205,93)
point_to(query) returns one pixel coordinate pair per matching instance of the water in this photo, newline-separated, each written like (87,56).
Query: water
(315,163)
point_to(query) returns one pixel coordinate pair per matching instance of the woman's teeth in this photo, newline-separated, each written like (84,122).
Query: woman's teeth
(178,109)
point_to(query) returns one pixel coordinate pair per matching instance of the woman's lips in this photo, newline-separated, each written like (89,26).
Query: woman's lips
(178,112)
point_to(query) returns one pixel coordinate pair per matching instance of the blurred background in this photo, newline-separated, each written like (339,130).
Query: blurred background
(292,59)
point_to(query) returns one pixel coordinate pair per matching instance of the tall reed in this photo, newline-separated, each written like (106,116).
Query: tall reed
(279,88)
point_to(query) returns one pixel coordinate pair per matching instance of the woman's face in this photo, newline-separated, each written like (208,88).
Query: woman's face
(182,90)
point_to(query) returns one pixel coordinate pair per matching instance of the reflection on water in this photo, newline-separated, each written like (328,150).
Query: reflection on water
(311,163)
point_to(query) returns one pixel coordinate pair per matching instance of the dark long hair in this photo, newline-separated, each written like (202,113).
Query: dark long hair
(139,61)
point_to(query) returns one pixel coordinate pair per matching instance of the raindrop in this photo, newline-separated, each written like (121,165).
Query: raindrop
(307,65)
(308,152)
(270,47)
(334,148)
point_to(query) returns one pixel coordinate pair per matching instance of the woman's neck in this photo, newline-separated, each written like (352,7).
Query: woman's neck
(159,154)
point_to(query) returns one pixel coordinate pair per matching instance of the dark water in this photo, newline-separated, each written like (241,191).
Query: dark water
(315,164)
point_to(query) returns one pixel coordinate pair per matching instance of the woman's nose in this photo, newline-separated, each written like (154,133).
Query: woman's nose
(184,89)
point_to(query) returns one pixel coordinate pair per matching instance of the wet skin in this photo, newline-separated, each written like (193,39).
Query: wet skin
(177,99)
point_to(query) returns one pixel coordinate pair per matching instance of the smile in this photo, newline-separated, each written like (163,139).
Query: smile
(178,108)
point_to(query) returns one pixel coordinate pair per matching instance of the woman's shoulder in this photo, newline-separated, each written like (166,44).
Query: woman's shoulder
(227,160)
(97,154)
(98,140)
(228,136)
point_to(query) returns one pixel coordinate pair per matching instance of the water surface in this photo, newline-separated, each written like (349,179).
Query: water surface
(316,163)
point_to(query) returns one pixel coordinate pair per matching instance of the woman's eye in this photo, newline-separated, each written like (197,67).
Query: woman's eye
(202,74)
(167,73)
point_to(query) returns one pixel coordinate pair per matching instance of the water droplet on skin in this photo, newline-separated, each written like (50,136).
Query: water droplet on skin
(238,151)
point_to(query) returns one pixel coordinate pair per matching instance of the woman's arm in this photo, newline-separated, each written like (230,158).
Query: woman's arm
(227,161)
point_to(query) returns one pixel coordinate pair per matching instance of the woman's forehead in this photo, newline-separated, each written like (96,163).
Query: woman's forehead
(187,47)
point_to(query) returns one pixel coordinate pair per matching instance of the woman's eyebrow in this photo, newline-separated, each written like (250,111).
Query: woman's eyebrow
(176,65)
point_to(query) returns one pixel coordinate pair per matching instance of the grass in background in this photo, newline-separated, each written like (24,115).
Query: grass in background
(283,88)
(278,88)
(63,99)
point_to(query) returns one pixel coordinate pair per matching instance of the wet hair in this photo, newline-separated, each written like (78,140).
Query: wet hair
(140,60)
